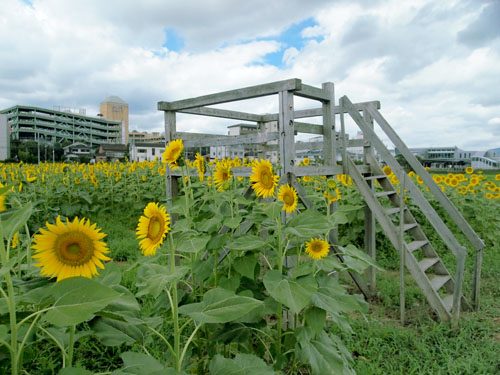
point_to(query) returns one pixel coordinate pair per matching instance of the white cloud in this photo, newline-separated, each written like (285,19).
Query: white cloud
(436,87)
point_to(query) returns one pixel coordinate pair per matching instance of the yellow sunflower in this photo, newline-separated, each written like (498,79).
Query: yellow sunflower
(387,170)
(263,180)
(222,174)
(70,249)
(411,174)
(306,161)
(15,240)
(200,165)
(173,151)
(317,248)
(469,170)
(288,195)
(152,228)
(497,177)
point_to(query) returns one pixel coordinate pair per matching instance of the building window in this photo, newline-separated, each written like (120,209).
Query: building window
(153,151)
(141,150)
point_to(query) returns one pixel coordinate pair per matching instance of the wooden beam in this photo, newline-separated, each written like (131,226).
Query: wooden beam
(318,170)
(223,113)
(233,95)
(231,140)
(305,127)
(312,92)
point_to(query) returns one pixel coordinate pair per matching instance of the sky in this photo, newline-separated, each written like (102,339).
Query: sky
(433,65)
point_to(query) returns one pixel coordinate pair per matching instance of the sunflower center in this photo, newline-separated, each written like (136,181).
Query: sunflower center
(155,228)
(316,247)
(266,179)
(288,198)
(74,248)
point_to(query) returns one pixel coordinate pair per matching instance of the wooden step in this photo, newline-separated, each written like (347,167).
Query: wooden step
(385,193)
(415,245)
(407,227)
(448,302)
(375,177)
(392,211)
(439,280)
(426,263)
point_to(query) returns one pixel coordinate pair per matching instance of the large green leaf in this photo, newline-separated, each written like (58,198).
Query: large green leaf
(77,299)
(220,306)
(325,354)
(16,220)
(332,297)
(247,242)
(154,278)
(308,224)
(192,242)
(245,266)
(293,293)
(357,259)
(113,332)
(242,364)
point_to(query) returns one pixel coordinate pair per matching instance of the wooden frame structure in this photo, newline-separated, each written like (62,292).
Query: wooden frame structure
(447,304)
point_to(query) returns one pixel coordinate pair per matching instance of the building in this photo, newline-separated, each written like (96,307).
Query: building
(115,109)
(43,125)
(111,152)
(4,138)
(486,159)
(155,137)
(146,151)
(77,150)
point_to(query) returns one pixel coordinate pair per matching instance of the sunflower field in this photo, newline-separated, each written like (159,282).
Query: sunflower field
(100,274)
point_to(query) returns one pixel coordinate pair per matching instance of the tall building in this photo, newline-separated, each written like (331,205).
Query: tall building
(43,125)
(4,138)
(115,109)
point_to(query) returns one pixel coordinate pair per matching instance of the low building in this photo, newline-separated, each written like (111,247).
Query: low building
(154,137)
(146,151)
(111,152)
(486,160)
(77,150)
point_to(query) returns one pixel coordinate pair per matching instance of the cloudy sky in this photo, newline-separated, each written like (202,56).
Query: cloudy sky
(434,65)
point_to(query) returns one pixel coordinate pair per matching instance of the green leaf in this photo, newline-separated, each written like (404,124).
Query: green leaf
(140,364)
(308,224)
(293,293)
(220,306)
(242,364)
(247,242)
(326,355)
(192,242)
(77,299)
(332,297)
(113,332)
(273,210)
(154,278)
(8,266)
(232,222)
(111,275)
(210,225)
(338,217)
(16,220)
(245,266)
(74,371)
(203,268)
(315,319)
(351,252)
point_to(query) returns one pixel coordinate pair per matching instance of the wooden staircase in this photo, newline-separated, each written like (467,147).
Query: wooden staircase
(421,258)
(441,289)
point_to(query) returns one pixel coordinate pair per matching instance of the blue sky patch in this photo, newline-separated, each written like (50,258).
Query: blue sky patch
(27,2)
(174,41)
(290,37)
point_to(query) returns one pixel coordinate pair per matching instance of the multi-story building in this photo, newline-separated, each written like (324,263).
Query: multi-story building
(49,126)
(146,151)
(154,137)
(4,138)
(115,109)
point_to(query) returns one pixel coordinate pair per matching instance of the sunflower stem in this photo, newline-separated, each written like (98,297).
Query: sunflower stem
(11,304)
(280,306)
(175,314)
(71,344)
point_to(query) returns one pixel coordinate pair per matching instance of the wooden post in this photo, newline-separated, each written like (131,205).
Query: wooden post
(329,134)
(170,130)
(370,248)
(476,281)
(457,293)
(286,131)
(402,252)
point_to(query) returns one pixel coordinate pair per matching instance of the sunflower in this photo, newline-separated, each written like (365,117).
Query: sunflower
(306,161)
(469,170)
(70,249)
(288,195)
(497,177)
(332,184)
(411,174)
(15,240)
(387,170)
(200,165)
(152,228)
(2,200)
(222,174)
(173,151)
(317,248)
(263,179)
